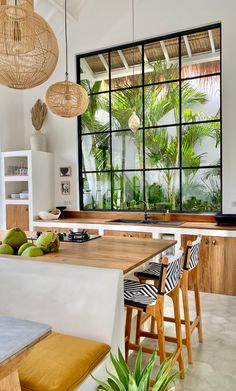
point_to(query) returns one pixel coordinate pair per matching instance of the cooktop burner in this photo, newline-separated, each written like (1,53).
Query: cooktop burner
(76,237)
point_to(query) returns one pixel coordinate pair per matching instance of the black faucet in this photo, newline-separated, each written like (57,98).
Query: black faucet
(146,214)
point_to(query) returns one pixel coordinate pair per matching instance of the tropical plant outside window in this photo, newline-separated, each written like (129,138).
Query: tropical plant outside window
(174,160)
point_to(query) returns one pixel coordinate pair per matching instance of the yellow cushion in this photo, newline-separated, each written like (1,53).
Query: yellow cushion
(60,362)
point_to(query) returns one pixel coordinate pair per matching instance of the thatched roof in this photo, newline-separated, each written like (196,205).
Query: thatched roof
(200,55)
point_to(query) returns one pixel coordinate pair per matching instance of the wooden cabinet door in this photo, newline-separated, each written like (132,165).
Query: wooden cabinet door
(217,264)
(129,234)
(224,258)
(17,216)
(11,216)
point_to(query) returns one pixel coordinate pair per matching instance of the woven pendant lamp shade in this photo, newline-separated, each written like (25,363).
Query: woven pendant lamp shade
(26,4)
(67,99)
(28,46)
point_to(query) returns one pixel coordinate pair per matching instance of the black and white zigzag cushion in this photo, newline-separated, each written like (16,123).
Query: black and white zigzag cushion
(194,254)
(139,295)
(153,271)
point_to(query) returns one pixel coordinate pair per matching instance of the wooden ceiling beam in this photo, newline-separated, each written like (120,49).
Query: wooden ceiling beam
(87,71)
(105,64)
(123,59)
(61,9)
(213,49)
(188,48)
(165,52)
(144,54)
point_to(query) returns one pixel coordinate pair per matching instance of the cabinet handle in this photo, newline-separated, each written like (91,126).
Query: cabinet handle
(214,242)
(130,236)
(206,241)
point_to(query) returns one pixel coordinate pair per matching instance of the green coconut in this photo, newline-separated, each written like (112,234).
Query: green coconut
(24,247)
(32,251)
(48,242)
(15,237)
(6,249)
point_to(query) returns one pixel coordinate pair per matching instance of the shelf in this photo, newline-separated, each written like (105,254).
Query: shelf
(16,178)
(17,201)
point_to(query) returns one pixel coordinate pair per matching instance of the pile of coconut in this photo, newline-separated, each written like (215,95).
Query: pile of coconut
(15,242)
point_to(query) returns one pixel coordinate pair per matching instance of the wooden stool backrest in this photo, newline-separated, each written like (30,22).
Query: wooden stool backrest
(192,254)
(170,273)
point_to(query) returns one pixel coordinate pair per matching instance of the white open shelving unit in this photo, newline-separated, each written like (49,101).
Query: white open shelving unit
(31,171)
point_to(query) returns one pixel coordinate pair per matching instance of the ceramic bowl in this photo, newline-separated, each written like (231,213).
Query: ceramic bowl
(24,195)
(15,195)
(49,215)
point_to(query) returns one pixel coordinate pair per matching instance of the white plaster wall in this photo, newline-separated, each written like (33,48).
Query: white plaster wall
(11,119)
(11,125)
(107,23)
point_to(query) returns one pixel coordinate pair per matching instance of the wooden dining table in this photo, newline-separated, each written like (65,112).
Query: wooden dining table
(17,338)
(122,253)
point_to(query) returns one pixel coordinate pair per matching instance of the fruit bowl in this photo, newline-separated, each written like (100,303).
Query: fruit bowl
(52,215)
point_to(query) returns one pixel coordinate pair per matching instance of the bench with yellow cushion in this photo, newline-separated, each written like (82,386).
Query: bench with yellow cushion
(60,362)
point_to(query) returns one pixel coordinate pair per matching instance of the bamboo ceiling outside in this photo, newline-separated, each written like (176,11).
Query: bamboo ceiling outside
(199,44)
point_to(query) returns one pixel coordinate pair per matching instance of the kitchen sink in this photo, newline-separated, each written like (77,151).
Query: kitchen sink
(156,222)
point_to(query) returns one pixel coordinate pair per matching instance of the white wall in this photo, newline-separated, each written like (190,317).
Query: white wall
(11,119)
(106,23)
(11,124)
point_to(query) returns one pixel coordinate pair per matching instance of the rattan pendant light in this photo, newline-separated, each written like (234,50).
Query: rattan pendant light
(28,46)
(134,121)
(66,98)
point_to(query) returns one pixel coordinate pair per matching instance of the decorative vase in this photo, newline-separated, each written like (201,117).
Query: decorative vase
(38,141)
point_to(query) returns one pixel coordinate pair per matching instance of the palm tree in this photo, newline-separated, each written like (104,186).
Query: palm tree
(162,149)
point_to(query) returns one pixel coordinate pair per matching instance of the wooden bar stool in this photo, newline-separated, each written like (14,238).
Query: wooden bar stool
(149,299)
(190,270)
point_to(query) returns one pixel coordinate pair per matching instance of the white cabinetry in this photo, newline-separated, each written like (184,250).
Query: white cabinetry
(30,176)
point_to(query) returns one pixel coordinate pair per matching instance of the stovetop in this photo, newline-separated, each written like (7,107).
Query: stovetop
(75,237)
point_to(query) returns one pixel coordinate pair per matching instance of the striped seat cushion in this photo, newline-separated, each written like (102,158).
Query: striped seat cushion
(194,254)
(139,295)
(153,271)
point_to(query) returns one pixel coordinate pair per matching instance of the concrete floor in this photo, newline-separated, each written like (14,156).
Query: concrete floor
(214,365)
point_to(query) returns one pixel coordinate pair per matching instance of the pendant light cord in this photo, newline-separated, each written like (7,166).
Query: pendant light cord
(66,40)
(133,35)
(134,108)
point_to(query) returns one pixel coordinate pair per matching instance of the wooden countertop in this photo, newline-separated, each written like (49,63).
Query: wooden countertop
(121,253)
(194,225)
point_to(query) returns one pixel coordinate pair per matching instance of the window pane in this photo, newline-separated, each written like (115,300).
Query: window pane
(161,104)
(96,152)
(126,67)
(127,190)
(201,189)
(201,144)
(127,150)
(122,103)
(180,124)
(201,99)
(97,191)
(162,147)
(161,60)
(95,76)
(162,189)
(200,53)
(96,117)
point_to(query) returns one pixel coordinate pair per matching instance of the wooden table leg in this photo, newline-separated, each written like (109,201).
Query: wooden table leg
(10,382)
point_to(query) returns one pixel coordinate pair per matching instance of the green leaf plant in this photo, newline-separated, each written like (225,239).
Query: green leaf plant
(140,379)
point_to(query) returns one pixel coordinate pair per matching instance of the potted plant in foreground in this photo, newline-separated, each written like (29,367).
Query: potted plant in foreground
(140,379)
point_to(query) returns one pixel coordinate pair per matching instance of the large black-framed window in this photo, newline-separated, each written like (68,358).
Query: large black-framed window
(173,161)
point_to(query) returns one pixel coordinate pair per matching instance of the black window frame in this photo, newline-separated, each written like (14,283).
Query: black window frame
(178,35)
